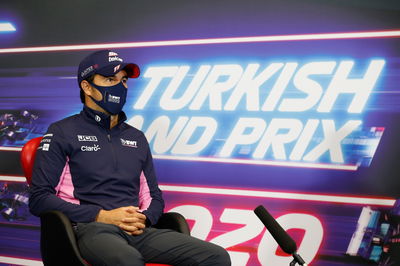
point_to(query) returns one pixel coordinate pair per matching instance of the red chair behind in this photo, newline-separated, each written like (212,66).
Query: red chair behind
(28,155)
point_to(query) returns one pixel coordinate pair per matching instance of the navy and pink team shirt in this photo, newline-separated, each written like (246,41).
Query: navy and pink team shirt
(83,166)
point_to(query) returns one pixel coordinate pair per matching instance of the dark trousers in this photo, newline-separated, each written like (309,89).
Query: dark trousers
(105,244)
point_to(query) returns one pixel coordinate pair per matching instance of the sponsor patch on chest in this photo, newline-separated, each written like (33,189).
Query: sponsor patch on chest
(95,147)
(129,143)
(86,138)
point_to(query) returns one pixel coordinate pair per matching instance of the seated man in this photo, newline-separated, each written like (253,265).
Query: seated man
(93,167)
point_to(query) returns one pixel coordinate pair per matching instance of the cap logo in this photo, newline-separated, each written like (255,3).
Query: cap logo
(87,71)
(112,54)
(116,68)
(114,58)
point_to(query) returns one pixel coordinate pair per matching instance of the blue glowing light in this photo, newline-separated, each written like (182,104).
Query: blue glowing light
(7,27)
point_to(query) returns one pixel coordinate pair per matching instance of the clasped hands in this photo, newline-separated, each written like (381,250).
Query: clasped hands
(127,218)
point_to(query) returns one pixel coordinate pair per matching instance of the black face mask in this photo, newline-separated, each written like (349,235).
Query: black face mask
(114,97)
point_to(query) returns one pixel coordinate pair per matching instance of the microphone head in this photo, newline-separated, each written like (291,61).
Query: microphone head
(278,233)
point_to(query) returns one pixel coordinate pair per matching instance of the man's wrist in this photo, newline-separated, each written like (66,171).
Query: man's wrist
(99,215)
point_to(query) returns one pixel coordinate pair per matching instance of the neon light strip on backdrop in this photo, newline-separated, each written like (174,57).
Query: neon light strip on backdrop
(273,38)
(20,261)
(259,162)
(281,195)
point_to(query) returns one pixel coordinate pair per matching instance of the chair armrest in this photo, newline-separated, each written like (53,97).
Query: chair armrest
(174,221)
(57,240)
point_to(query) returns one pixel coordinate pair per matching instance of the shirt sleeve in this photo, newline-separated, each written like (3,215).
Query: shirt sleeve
(154,201)
(51,158)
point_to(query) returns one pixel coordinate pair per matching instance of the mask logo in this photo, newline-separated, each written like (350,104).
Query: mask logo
(113,99)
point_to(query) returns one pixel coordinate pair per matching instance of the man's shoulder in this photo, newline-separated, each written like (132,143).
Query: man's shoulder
(127,126)
(132,130)
(67,120)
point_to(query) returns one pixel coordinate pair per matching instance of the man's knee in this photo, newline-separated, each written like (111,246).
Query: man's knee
(102,244)
(216,255)
(124,257)
(221,257)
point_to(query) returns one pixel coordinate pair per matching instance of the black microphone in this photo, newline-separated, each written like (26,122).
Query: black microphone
(281,237)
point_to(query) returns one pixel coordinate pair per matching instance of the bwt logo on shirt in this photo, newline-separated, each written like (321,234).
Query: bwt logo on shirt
(95,147)
(129,143)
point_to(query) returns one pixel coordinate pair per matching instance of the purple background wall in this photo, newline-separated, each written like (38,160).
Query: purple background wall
(318,202)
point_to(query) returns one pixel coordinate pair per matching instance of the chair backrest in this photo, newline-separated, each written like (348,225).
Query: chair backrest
(28,154)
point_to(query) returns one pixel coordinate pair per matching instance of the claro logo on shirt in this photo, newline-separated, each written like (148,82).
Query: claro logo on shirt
(86,138)
(129,143)
(95,147)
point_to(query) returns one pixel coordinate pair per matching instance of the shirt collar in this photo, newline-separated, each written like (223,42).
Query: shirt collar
(101,118)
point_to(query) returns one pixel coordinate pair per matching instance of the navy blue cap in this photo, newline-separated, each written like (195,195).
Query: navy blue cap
(106,63)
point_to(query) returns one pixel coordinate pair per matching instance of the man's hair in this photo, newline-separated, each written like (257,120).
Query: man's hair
(82,93)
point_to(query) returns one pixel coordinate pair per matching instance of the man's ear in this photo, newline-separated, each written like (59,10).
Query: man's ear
(85,85)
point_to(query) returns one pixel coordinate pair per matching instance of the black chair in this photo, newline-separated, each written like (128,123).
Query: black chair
(57,239)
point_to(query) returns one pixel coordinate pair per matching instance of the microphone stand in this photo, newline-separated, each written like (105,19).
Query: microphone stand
(297,259)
